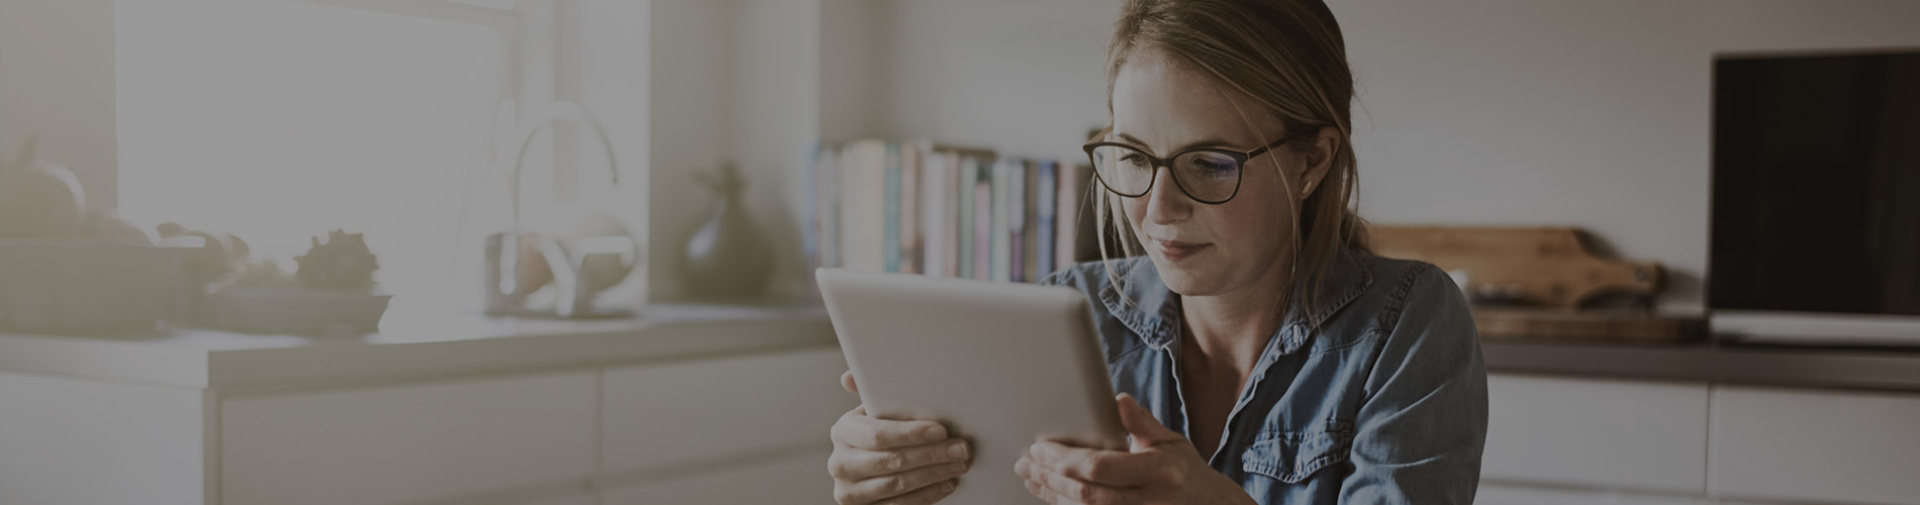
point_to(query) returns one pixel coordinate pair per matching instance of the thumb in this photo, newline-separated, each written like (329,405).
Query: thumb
(1139,422)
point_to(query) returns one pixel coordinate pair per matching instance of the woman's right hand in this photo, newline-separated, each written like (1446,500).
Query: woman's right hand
(877,461)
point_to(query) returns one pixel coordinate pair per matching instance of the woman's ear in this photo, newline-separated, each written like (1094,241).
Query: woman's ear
(1318,159)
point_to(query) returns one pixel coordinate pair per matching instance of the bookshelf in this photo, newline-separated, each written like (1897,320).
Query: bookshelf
(945,211)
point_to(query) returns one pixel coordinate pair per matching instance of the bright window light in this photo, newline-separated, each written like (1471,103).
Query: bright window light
(277,121)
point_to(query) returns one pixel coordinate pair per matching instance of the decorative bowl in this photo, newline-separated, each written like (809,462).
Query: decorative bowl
(298,310)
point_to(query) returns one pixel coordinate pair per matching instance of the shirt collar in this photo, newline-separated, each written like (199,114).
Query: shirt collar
(1145,305)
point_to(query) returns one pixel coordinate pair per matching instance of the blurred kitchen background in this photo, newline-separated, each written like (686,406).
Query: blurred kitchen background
(558,252)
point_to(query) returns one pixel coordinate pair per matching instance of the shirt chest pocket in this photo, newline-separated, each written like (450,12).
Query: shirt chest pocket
(1292,456)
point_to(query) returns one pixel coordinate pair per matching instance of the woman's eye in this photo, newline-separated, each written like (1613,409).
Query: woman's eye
(1134,158)
(1214,167)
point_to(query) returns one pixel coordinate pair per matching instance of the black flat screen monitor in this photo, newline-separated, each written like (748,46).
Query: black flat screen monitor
(1816,184)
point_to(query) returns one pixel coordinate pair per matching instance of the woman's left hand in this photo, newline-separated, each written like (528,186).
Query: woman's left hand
(1160,467)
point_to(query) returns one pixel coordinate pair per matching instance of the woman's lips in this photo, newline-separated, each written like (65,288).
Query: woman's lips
(1175,251)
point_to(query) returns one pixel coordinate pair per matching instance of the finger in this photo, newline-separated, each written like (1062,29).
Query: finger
(1111,468)
(834,431)
(881,488)
(1062,490)
(1139,422)
(1038,491)
(925,495)
(1047,495)
(858,430)
(855,464)
(846,381)
(1070,490)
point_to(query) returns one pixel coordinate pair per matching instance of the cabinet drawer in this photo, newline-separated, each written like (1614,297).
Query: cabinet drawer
(408,443)
(1825,446)
(794,480)
(700,410)
(1597,433)
(1502,494)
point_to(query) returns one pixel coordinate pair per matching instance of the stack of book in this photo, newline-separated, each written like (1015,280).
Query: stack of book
(916,207)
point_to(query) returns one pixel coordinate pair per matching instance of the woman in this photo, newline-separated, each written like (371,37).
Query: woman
(1263,354)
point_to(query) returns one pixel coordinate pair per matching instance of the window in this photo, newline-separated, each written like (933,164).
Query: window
(279,120)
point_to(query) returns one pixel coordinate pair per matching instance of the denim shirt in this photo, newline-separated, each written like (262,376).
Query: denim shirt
(1378,395)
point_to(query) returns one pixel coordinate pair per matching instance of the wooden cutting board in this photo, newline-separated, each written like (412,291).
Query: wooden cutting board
(1546,274)
(1532,323)
(1536,266)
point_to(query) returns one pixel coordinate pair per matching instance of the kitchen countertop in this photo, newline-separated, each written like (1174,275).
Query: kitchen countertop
(416,347)
(1756,365)
(425,347)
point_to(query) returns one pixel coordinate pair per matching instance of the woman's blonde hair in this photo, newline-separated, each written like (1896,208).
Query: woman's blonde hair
(1288,59)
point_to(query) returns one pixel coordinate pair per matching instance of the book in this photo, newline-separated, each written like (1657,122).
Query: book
(1029,234)
(950,225)
(983,221)
(1046,184)
(826,206)
(909,220)
(935,192)
(964,251)
(863,210)
(890,213)
(999,248)
(1016,220)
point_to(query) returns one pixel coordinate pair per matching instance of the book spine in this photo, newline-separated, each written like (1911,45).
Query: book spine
(865,208)
(953,206)
(1016,221)
(1045,182)
(810,208)
(826,191)
(933,212)
(849,189)
(910,209)
(890,231)
(983,223)
(964,200)
(1030,216)
(997,233)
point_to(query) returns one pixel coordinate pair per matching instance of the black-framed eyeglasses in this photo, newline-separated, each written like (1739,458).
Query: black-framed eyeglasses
(1209,175)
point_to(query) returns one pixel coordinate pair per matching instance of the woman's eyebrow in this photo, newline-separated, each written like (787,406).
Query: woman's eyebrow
(1191,145)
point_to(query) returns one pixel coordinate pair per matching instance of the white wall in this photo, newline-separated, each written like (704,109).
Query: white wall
(1023,77)
(851,85)
(691,112)
(1593,114)
(738,81)
(610,78)
(776,118)
(56,78)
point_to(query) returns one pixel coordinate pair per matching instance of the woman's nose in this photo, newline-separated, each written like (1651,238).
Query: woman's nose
(1166,204)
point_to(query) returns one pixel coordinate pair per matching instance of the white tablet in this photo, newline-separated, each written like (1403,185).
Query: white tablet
(1003,365)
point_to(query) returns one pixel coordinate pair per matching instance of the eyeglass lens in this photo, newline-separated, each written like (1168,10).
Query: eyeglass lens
(1207,176)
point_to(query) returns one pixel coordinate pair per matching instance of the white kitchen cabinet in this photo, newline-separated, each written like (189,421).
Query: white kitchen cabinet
(437,411)
(69,441)
(1815,445)
(1599,433)
(702,410)
(796,480)
(1503,494)
(409,443)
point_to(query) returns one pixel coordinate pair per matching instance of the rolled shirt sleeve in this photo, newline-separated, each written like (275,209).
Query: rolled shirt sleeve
(1419,433)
